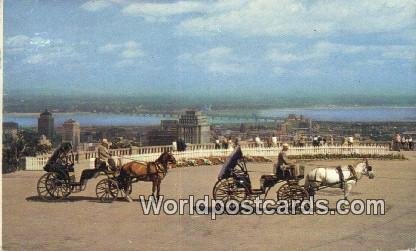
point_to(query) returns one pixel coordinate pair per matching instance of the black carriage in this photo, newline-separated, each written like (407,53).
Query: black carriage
(59,181)
(234,182)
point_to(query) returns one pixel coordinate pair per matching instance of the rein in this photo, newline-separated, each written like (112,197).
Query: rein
(353,172)
(160,168)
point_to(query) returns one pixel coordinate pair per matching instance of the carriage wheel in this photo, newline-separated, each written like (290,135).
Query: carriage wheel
(291,192)
(43,187)
(227,190)
(107,190)
(51,186)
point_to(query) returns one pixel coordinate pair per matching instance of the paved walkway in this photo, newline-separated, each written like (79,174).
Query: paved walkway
(81,222)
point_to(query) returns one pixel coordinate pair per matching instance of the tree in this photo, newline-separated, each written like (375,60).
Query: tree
(15,148)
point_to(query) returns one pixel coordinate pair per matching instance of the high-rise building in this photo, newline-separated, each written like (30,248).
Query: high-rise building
(46,124)
(167,133)
(294,124)
(194,128)
(71,133)
(10,128)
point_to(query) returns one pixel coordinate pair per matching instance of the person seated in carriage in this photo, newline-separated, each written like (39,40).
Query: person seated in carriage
(103,162)
(62,158)
(284,166)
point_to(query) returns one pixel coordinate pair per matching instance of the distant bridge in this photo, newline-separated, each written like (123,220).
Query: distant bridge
(213,115)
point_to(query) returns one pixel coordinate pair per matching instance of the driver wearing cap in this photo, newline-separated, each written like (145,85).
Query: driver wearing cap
(283,163)
(104,154)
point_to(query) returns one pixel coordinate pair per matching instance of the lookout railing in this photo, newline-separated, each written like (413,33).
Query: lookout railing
(196,151)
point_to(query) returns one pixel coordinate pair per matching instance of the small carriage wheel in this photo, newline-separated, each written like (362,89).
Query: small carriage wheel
(227,189)
(107,190)
(56,187)
(290,192)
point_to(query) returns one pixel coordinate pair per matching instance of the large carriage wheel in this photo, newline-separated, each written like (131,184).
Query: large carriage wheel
(292,191)
(52,186)
(43,187)
(227,189)
(107,190)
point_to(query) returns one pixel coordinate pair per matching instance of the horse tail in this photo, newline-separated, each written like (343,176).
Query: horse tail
(308,187)
(307,183)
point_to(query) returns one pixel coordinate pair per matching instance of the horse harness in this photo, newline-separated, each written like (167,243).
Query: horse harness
(342,179)
(159,168)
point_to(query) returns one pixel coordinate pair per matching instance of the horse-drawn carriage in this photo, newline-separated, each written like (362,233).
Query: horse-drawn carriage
(234,182)
(59,182)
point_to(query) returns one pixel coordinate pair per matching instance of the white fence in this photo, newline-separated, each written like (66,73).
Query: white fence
(37,163)
(273,152)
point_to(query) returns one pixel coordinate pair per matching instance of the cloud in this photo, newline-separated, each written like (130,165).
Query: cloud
(310,72)
(153,11)
(159,11)
(52,55)
(323,53)
(40,50)
(279,70)
(129,49)
(16,41)
(124,63)
(323,50)
(96,5)
(218,60)
(404,52)
(303,18)
(125,52)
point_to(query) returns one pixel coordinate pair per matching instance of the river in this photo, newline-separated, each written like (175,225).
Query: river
(350,114)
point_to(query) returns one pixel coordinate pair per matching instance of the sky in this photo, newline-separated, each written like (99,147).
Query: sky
(210,48)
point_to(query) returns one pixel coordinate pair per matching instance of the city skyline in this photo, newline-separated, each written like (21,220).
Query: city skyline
(213,48)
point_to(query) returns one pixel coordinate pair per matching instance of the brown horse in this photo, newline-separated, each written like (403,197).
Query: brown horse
(146,171)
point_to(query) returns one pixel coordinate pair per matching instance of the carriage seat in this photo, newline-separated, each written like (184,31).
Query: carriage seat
(102,166)
(291,172)
(268,180)
(58,166)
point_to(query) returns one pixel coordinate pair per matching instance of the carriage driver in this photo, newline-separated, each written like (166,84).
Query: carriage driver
(283,163)
(104,156)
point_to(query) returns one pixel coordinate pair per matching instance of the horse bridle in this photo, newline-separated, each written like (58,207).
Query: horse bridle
(160,168)
(368,169)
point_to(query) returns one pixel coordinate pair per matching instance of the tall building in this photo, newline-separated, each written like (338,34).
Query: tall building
(167,133)
(169,125)
(46,124)
(10,128)
(194,128)
(294,124)
(71,133)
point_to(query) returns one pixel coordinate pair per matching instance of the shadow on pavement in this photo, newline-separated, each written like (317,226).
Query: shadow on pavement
(71,199)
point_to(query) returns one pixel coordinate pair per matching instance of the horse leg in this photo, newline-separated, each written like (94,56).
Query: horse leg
(157,185)
(347,189)
(153,188)
(124,180)
(125,189)
(308,187)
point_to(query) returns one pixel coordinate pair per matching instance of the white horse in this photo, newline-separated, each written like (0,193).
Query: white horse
(324,177)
